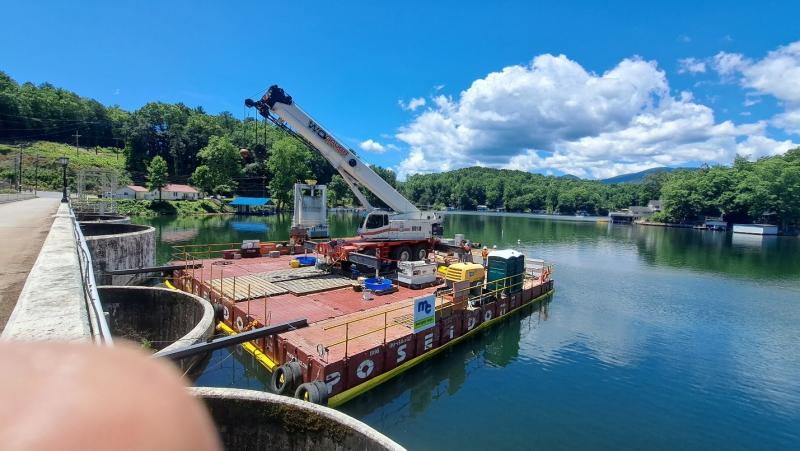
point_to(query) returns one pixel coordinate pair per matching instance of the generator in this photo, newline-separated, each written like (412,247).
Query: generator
(416,274)
(470,272)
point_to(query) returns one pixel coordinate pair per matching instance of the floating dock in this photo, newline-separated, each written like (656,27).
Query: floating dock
(352,342)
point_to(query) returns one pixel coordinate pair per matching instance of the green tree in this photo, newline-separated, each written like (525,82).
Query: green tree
(339,193)
(157,174)
(221,165)
(288,165)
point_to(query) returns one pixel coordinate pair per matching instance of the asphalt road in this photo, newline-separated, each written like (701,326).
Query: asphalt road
(23,228)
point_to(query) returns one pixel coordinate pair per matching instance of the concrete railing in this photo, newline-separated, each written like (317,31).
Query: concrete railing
(52,304)
(249,419)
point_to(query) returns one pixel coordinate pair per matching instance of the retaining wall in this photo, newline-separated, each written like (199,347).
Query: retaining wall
(254,420)
(167,319)
(120,246)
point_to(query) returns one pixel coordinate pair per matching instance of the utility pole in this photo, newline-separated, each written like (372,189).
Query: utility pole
(76,135)
(36,176)
(19,178)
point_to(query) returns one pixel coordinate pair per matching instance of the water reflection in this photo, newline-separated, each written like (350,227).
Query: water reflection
(410,394)
(655,338)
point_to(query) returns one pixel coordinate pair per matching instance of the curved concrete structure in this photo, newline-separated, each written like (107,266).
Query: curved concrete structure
(167,319)
(120,246)
(249,419)
(104,218)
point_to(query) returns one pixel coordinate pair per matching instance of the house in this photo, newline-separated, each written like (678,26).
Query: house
(135,192)
(171,191)
(174,191)
(654,205)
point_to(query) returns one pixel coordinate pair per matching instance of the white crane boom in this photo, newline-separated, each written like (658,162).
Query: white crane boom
(342,159)
(406,223)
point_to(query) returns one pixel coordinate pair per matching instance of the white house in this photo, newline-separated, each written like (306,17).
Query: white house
(131,192)
(174,191)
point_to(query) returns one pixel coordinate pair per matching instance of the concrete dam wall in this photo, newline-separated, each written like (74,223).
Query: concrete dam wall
(119,246)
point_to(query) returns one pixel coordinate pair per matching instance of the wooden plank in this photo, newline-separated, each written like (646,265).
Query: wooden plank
(314,285)
(291,274)
(258,287)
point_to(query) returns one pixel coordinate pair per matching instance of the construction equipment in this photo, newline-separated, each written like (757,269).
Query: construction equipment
(404,222)
(416,274)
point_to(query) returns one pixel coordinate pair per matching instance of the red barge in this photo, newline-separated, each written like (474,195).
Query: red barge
(352,342)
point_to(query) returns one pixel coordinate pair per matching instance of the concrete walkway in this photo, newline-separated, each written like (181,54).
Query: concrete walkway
(23,228)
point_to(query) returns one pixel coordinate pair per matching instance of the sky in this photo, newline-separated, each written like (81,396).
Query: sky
(593,89)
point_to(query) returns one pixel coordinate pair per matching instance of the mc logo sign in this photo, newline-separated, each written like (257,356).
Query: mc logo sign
(424,313)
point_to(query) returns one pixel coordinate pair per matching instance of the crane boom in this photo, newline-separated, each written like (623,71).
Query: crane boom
(277,102)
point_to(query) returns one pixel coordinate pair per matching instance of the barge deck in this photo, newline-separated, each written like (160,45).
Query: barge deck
(352,342)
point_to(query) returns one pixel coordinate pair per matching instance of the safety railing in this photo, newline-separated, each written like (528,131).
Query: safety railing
(97,317)
(13,197)
(459,299)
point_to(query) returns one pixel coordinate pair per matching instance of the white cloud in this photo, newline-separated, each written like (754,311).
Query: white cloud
(728,63)
(412,104)
(755,147)
(552,114)
(776,75)
(691,65)
(438,87)
(372,146)
(789,121)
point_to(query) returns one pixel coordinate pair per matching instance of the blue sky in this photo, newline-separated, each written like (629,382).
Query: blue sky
(624,96)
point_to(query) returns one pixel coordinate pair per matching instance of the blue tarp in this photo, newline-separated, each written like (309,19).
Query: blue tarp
(249,226)
(251,201)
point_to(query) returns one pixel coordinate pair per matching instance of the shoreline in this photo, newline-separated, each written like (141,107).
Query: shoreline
(529,215)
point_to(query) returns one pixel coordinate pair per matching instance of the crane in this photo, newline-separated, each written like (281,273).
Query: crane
(405,222)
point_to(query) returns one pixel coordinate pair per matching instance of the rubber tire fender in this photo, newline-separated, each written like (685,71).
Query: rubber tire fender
(315,392)
(219,312)
(286,377)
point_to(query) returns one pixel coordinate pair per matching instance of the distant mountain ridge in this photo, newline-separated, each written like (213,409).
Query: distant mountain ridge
(637,177)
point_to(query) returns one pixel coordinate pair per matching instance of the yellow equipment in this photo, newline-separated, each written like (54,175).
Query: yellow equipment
(458,272)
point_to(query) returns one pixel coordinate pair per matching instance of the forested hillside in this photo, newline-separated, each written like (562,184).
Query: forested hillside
(207,150)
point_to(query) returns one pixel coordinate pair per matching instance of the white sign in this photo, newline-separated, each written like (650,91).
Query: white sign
(424,313)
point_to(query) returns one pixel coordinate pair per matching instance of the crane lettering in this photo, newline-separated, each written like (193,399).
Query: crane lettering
(327,138)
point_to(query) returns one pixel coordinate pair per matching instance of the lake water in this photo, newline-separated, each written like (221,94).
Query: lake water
(654,339)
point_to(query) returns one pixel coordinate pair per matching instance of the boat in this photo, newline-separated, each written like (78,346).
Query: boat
(357,336)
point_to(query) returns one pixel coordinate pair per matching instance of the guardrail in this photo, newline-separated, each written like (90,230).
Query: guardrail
(97,317)
(13,197)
